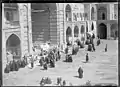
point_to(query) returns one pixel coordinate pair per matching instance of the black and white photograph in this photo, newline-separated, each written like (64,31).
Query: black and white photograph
(60,44)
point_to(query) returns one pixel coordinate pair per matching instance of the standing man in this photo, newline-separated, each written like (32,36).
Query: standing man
(92,41)
(32,61)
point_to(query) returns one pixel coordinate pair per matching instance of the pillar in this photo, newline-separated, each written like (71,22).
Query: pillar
(108,31)
(22,28)
(72,33)
(3,41)
(30,28)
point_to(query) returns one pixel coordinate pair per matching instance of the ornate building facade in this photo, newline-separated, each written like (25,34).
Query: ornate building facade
(24,24)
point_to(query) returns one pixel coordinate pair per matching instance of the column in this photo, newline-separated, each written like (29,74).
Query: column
(79,32)
(3,41)
(30,28)
(72,33)
(108,31)
(22,28)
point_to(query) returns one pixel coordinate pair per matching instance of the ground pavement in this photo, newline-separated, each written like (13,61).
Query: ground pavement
(102,68)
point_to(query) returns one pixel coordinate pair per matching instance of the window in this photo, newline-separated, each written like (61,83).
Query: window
(8,16)
(103,16)
(11,13)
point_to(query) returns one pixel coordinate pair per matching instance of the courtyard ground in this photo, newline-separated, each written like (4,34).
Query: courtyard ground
(102,68)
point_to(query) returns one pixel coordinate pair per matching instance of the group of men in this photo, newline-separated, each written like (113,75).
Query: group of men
(14,64)
(48,58)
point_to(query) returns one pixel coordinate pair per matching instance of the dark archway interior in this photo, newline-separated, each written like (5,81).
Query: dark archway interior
(68,33)
(102,32)
(13,45)
(76,31)
(92,26)
(82,29)
(86,27)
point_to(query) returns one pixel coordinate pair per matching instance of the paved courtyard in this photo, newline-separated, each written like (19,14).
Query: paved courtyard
(102,68)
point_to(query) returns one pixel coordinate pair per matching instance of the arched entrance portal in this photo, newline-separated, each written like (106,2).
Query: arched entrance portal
(13,45)
(68,34)
(102,31)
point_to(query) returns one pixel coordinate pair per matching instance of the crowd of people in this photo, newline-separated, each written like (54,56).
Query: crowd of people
(48,58)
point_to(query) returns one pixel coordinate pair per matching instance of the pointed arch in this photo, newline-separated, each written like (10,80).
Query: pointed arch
(13,44)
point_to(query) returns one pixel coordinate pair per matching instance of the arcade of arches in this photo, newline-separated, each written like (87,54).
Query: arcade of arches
(76,33)
(13,45)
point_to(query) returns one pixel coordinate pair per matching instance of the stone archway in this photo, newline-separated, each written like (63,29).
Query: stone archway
(68,34)
(102,31)
(13,44)
(68,13)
